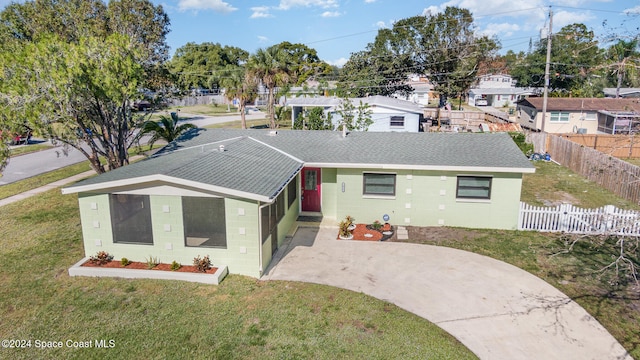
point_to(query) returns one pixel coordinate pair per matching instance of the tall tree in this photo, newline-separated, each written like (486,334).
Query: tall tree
(71,69)
(623,60)
(270,67)
(240,88)
(443,47)
(304,62)
(204,65)
(575,55)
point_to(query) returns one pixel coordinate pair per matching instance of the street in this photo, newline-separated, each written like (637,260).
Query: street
(28,165)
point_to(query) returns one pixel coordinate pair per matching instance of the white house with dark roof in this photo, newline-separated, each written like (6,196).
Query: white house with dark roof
(388,114)
(235,194)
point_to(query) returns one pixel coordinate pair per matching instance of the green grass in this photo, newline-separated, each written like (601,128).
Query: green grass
(28,149)
(210,110)
(635,162)
(237,124)
(612,300)
(43,179)
(55,175)
(240,319)
(553,184)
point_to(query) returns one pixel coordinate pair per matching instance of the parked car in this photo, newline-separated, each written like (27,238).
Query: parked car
(22,137)
(482,102)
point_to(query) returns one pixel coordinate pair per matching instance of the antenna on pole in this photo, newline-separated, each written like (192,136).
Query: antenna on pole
(546,72)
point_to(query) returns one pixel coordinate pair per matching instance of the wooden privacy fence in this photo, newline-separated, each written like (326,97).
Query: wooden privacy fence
(621,146)
(570,219)
(613,174)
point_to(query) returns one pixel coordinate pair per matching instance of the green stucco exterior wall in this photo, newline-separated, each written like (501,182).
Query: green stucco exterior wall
(426,198)
(241,254)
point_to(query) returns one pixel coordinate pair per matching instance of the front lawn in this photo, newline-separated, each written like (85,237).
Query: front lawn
(240,319)
(613,299)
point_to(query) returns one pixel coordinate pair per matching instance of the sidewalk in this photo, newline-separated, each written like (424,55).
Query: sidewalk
(47,187)
(55,184)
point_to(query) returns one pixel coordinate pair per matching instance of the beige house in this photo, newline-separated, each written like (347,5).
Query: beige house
(580,115)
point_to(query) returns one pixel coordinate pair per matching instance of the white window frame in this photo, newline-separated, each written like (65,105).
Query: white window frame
(559,116)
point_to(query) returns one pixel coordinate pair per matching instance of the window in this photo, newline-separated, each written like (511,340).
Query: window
(292,191)
(590,116)
(379,184)
(204,222)
(473,187)
(131,219)
(397,121)
(558,116)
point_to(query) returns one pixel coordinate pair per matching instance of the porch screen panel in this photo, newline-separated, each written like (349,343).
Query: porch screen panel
(473,187)
(131,219)
(379,184)
(204,222)
(292,192)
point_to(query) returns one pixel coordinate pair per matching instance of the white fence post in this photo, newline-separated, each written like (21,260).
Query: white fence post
(571,219)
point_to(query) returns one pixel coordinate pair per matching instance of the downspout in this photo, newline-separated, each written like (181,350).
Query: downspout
(260,264)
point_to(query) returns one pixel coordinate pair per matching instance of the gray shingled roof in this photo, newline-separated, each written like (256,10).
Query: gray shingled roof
(257,162)
(376,100)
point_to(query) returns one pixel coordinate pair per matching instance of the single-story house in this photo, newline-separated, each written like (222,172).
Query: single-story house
(624,92)
(388,114)
(235,194)
(578,115)
(498,90)
(422,92)
(499,97)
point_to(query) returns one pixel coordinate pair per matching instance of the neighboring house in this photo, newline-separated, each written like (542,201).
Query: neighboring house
(422,91)
(235,194)
(388,114)
(498,90)
(580,115)
(624,92)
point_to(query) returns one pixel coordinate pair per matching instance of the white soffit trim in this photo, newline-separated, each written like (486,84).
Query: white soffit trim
(423,167)
(165,179)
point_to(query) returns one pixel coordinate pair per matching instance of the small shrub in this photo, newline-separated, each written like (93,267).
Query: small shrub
(376,225)
(175,266)
(101,258)
(152,262)
(344,229)
(202,264)
(125,262)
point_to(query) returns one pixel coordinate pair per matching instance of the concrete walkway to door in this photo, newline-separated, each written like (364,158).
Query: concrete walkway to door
(495,309)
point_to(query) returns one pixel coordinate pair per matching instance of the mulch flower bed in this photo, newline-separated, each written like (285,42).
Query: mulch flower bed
(364,232)
(143,266)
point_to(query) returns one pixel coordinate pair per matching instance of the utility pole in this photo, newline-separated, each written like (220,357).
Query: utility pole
(546,72)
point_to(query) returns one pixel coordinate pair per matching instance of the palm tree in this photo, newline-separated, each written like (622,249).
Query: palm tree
(166,129)
(271,68)
(240,87)
(623,54)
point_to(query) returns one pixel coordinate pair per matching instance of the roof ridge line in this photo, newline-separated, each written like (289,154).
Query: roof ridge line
(198,146)
(276,149)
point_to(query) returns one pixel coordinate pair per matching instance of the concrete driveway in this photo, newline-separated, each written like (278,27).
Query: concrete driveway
(497,310)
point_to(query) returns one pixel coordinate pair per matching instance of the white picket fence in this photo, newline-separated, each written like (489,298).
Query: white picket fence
(568,218)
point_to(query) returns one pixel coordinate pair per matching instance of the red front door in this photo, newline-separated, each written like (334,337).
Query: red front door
(311,187)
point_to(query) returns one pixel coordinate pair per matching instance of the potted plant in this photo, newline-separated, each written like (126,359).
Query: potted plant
(376,225)
(345,233)
(349,219)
